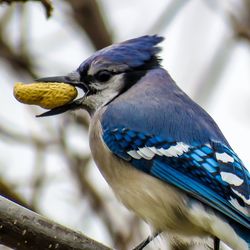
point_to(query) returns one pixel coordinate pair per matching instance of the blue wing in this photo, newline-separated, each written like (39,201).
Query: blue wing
(161,131)
(210,172)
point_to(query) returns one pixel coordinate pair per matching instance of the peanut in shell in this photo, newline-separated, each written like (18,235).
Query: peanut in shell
(47,95)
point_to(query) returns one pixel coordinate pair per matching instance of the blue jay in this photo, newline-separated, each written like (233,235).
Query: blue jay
(161,153)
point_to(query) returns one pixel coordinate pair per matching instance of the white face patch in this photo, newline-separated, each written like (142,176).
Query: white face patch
(232,179)
(236,204)
(105,92)
(224,157)
(149,152)
(247,201)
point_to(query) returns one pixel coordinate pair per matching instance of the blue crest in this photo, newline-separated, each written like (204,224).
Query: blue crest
(133,53)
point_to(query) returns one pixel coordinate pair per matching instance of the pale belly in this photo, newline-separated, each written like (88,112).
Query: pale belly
(159,204)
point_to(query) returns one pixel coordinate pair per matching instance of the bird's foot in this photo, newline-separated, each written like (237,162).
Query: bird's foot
(216,243)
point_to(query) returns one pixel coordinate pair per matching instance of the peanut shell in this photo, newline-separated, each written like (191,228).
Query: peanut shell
(47,95)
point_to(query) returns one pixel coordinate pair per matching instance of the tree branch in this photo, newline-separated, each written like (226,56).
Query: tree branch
(89,17)
(23,229)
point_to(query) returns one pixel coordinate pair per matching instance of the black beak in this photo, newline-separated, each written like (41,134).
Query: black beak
(76,104)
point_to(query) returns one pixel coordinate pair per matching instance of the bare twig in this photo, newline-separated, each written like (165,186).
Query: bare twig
(46,3)
(48,7)
(239,13)
(88,16)
(20,63)
(23,229)
(7,191)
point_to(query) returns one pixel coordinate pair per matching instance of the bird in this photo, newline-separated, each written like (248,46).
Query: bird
(163,155)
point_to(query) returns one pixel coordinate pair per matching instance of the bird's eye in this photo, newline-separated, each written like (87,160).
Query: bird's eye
(103,76)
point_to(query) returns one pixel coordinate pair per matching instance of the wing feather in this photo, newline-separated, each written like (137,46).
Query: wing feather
(212,173)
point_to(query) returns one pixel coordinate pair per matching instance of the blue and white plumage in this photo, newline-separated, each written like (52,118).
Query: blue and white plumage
(162,154)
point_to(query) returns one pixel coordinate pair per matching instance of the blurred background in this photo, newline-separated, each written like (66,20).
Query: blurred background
(45,163)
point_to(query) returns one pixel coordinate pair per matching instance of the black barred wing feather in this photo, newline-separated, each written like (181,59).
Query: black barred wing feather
(211,172)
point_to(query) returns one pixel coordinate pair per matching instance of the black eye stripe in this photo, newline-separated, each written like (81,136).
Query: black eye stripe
(103,76)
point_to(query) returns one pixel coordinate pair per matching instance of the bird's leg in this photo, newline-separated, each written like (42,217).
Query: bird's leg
(216,243)
(146,241)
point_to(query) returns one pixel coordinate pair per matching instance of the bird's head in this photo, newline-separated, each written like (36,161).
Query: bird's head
(110,72)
